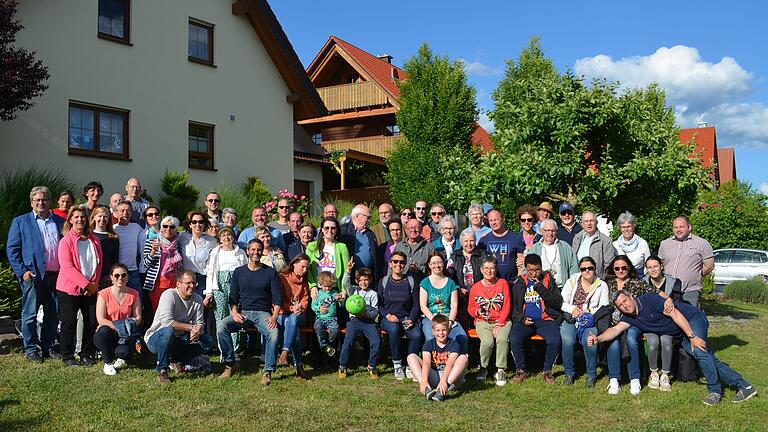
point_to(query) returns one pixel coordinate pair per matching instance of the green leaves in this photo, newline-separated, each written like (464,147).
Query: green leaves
(180,196)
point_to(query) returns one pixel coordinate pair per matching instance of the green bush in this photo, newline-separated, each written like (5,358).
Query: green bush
(10,294)
(256,191)
(732,216)
(244,199)
(754,290)
(708,285)
(180,197)
(345,209)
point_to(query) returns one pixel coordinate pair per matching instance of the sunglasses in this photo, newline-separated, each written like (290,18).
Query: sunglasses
(169,226)
(620,268)
(437,213)
(401,262)
(196,222)
(406,214)
(120,275)
(283,207)
(329,228)
(590,268)
(153,214)
(395,230)
(420,208)
(567,212)
(214,200)
(526,219)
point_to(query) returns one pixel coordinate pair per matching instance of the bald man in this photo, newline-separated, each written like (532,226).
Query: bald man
(360,240)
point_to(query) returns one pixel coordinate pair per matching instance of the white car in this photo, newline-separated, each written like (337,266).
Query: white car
(740,264)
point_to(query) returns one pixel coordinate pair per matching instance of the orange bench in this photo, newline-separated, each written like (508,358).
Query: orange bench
(473,334)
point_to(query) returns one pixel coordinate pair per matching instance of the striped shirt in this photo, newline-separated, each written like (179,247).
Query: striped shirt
(685,259)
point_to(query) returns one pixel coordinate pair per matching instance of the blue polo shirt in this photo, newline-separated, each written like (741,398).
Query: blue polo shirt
(651,319)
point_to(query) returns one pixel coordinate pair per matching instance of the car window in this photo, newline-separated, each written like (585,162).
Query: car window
(746,257)
(763,257)
(723,256)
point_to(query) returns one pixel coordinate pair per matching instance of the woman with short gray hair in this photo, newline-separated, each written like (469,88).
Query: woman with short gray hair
(630,244)
(447,242)
(229,218)
(475,216)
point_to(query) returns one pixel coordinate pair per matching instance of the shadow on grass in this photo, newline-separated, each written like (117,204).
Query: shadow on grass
(722,342)
(20,424)
(727,310)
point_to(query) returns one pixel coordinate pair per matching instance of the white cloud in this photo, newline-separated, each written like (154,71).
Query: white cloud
(479,69)
(764,188)
(485,122)
(739,124)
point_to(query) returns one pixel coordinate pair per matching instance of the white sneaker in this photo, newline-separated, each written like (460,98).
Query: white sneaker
(501,378)
(664,384)
(653,380)
(109,369)
(634,387)
(409,374)
(613,386)
(120,363)
(399,373)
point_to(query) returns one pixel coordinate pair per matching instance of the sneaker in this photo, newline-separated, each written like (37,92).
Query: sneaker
(548,378)
(501,378)
(713,399)
(229,370)
(342,372)
(744,394)
(330,351)
(409,374)
(71,362)
(634,387)
(399,373)
(482,374)
(653,380)
(430,393)
(162,378)
(120,363)
(373,372)
(438,397)
(568,380)
(283,359)
(109,369)
(664,384)
(590,382)
(266,378)
(520,376)
(87,360)
(613,386)
(35,357)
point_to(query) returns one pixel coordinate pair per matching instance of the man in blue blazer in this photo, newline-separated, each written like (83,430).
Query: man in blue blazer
(360,240)
(32,250)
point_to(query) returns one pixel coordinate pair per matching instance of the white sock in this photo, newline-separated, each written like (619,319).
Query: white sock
(397,363)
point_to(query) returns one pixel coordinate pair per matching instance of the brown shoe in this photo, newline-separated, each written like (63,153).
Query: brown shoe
(162,378)
(229,370)
(300,372)
(283,359)
(548,378)
(520,376)
(266,378)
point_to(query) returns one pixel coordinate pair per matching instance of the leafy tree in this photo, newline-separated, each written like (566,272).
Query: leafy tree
(180,196)
(437,115)
(735,215)
(21,76)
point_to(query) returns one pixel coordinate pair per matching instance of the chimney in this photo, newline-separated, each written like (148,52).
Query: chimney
(386,57)
(702,124)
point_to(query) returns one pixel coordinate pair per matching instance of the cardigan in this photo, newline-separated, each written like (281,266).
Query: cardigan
(596,298)
(342,258)
(71,279)
(212,269)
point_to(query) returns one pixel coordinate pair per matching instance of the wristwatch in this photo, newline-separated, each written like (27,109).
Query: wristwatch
(692,336)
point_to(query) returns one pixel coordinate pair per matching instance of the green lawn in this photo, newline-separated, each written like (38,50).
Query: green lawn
(52,397)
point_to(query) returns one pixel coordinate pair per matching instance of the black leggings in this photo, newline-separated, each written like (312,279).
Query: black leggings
(106,340)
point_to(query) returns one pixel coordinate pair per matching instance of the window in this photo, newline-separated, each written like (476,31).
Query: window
(392,130)
(723,256)
(114,20)
(200,146)
(98,131)
(200,49)
(317,138)
(745,257)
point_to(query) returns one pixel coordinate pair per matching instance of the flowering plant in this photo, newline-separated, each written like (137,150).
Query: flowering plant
(300,204)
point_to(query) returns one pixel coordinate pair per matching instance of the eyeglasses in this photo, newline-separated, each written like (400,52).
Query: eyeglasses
(120,275)
(437,213)
(396,262)
(548,230)
(283,207)
(196,222)
(620,268)
(526,219)
(329,228)
(153,214)
(586,269)
(214,200)
(169,227)
(420,208)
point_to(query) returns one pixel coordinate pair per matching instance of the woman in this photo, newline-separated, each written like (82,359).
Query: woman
(385,250)
(399,311)
(151,216)
(272,256)
(585,296)
(118,312)
(438,294)
(328,253)
(447,243)
(101,227)
(80,269)
(293,313)
(406,214)
(306,235)
(475,215)
(196,247)
(229,218)
(466,270)
(63,203)
(630,244)
(162,258)
(528,216)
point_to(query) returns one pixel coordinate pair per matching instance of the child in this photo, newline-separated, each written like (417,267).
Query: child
(364,323)
(326,324)
(442,365)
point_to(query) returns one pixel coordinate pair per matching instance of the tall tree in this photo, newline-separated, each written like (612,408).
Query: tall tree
(735,215)
(21,76)
(437,115)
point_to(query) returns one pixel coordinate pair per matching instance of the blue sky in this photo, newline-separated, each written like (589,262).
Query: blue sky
(709,56)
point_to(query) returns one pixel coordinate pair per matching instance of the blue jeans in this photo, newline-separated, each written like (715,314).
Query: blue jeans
(568,334)
(329,338)
(547,329)
(371,332)
(134,281)
(614,358)
(170,347)
(457,333)
(35,293)
(253,319)
(395,333)
(713,369)
(634,345)
(290,324)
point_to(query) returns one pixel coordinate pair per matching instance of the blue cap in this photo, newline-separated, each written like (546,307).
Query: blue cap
(487,207)
(566,206)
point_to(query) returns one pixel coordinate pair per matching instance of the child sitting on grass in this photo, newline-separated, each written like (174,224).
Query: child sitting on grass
(326,325)
(441,366)
(364,323)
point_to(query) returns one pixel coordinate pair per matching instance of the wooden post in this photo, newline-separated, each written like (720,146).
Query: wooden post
(343,179)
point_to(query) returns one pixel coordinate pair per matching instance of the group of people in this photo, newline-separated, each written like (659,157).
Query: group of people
(136,281)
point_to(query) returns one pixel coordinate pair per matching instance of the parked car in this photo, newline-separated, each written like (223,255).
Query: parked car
(740,264)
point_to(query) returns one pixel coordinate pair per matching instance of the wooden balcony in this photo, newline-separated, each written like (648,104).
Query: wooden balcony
(348,97)
(376,146)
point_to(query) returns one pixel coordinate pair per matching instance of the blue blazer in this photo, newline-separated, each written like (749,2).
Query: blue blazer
(25,247)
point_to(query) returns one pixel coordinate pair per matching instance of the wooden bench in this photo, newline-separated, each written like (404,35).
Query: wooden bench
(473,334)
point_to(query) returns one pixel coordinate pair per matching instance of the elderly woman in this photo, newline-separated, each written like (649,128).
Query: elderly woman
(101,227)
(223,261)
(229,218)
(306,235)
(63,203)
(162,258)
(329,254)
(293,314)
(80,269)
(196,247)
(475,215)
(527,216)
(631,244)
(557,257)
(438,295)
(118,312)
(272,257)
(385,250)
(447,243)
(466,271)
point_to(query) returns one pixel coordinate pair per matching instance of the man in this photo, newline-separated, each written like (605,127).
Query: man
(417,249)
(647,313)
(568,225)
(133,190)
(330,210)
(380,229)
(283,210)
(32,250)
(556,256)
(420,211)
(294,223)
(360,241)
(214,213)
(436,213)
(687,257)
(506,246)
(176,334)
(255,297)
(543,213)
(259,218)
(114,200)
(129,233)
(593,243)
(92,192)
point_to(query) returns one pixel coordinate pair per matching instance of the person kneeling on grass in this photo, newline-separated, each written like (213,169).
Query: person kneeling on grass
(442,365)
(646,312)
(364,322)
(118,312)
(326,324)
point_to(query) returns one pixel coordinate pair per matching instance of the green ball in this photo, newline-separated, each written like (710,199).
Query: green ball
(355,304)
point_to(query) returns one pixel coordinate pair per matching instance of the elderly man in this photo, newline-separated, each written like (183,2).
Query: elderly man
(687,257)
(593,243)
(647,313)
(129,234)
(330,210)
(417,249)
(568,225)
(557,257)
(380,229)
(33,253)
(214,213)
(360,241)
(259,218)
(176,334)
(133,190)
(505,245)
(114,200)
(543,213)
(284,209)
(294,223)
(255,297)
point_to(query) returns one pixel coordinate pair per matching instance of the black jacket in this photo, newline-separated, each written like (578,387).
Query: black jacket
(548,291)
(457,272)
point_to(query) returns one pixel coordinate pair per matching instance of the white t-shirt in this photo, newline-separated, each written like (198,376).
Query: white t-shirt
(88,259)
(129,244)
(328,261)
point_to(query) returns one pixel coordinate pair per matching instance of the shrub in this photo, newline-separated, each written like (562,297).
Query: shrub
(300,204)
(345,209)
(732,216)
(180,197)
(256,191)
(708,286)
(10,294)
(753,290)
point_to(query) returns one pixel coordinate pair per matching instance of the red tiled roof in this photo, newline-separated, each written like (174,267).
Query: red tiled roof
(706,143)
(481,137)
(726,164)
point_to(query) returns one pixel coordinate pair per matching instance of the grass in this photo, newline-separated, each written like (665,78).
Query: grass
(52,397)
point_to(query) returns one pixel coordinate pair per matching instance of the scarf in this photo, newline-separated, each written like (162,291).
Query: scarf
(628,246)
(169,257)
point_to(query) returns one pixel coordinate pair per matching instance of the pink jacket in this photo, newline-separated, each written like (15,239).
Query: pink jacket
(71,279)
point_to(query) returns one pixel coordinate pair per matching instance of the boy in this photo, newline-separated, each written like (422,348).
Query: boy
(364,323)
(442,365)
(326,324)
